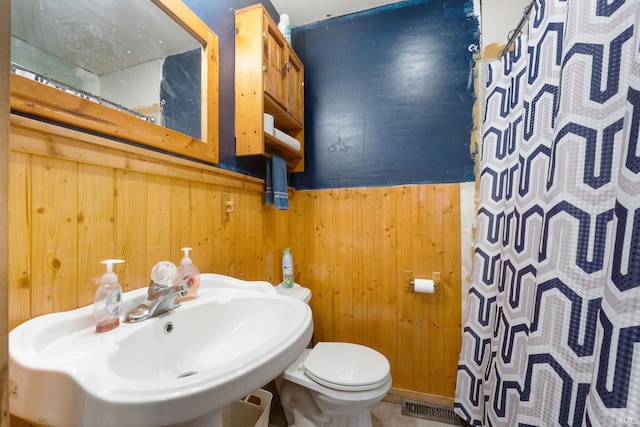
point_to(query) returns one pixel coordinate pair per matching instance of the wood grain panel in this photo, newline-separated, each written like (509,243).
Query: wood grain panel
(418,336)
(351,248)
(435,303)
(201,225)
(401,370)
(180,228)
(96,227)
(54,242)
(19,239)
(452,291)
(60,232)
(244,238)
(131,230)
(158,221)
(5,252)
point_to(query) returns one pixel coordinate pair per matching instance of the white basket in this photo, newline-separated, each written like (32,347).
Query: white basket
(252,410)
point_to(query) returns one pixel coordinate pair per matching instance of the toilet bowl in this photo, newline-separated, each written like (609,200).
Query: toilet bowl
(335,384)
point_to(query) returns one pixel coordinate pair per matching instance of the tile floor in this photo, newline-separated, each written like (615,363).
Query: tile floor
(384,414)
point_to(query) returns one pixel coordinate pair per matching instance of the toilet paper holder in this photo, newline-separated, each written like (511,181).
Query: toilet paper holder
(410,283)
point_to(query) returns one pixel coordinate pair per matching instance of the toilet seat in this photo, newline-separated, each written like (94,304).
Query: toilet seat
(346,366)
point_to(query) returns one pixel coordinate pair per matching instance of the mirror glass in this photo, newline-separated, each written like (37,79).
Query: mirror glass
(128,55)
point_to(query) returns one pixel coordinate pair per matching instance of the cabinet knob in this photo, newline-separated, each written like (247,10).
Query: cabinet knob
(288,65)
(264,69)
(264,35)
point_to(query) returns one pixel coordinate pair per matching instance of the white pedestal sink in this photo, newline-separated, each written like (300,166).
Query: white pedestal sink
(180,368)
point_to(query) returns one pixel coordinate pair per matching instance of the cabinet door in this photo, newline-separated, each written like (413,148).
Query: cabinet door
(274,58)
(294,78)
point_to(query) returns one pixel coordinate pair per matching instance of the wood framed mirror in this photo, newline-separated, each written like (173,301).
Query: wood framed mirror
(144,72)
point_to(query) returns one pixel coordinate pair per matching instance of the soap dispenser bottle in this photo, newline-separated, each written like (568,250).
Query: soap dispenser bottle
(188,272)
(106,303)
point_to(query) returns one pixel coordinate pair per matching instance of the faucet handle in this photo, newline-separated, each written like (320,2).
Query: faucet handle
(163,273)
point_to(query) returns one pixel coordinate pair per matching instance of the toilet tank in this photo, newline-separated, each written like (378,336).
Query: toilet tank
(297,291)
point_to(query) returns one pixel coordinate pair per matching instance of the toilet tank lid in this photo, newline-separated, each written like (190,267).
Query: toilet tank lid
(339,364)
(297,291)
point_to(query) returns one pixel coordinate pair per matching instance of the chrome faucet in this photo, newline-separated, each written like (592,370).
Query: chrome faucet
(160,296)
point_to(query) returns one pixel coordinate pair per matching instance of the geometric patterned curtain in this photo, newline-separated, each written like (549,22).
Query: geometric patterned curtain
(551,332)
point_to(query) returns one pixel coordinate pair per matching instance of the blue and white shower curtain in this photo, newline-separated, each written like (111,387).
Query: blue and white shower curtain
(551,334)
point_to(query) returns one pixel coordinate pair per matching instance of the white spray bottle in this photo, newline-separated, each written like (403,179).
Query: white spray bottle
(287,268)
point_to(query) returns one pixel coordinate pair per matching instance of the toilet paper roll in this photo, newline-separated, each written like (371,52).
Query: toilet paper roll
(425,286)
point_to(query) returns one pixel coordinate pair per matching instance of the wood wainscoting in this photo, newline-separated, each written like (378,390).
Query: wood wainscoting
(76,198)
(352,246)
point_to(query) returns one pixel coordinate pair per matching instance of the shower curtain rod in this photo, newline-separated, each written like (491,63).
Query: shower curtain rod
(513,34)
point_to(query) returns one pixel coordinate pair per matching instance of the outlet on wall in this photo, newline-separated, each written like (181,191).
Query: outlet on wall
(228,206)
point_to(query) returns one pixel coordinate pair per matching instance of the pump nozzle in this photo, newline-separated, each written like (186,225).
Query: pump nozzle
(110,276)
(186,259)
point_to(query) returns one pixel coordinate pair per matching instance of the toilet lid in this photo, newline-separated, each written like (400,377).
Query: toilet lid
(346,366)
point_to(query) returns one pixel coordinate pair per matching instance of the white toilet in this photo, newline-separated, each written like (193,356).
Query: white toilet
(335,384)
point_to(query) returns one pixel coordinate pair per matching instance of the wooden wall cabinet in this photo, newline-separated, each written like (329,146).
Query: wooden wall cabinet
(269,79)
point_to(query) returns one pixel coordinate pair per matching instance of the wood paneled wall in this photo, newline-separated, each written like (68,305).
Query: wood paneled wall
(76,199)
(351,247)
(5,49)
(74,204)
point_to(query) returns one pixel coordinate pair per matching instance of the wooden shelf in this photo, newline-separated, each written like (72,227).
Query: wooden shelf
(269,79)
(286,122)
(275,146)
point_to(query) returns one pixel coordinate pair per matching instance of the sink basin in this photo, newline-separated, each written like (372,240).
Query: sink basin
(180,368)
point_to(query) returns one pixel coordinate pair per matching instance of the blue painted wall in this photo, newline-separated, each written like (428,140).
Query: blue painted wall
(388,97)
(219,15)
(387,93)
(180,93)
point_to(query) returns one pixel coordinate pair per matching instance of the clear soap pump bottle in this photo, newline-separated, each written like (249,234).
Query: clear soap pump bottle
(188,272)
(106,303)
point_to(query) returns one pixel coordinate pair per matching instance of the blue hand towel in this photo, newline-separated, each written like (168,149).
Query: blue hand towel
(268,184)
(279,175)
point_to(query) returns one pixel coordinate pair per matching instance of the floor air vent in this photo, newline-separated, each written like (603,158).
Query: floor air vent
(428,411)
